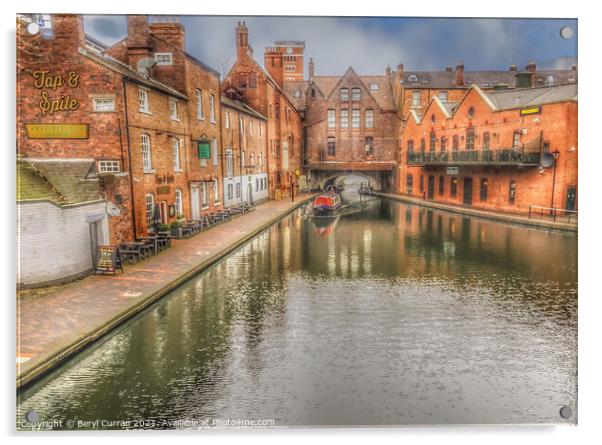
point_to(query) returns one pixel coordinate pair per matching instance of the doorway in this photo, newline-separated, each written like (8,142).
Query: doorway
(468,191)
(571,197)
(431,187)
(94,240)
(194,201)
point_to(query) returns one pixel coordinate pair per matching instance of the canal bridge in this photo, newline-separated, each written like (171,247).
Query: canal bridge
(380,174)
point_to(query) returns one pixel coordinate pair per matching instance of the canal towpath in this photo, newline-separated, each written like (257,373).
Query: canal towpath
(55,326)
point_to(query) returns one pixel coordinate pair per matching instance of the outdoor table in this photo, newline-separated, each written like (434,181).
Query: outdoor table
(131,250)
(151,241)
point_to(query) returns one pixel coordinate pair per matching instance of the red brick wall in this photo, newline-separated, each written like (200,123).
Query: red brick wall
(60,56)
(558,122)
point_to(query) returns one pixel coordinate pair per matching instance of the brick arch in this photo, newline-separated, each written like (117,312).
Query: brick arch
(373,177)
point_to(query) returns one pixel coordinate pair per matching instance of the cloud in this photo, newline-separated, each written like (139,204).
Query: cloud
(106,28)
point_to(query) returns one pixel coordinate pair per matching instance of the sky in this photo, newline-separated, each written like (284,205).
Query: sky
(369,44)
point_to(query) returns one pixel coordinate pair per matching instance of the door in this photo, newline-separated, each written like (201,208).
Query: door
(94,227)
(571,197)
(250,191)
(163,212)
(195,201)
(468,191)
(431,187)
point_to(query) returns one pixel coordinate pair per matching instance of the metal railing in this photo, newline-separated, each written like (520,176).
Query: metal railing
(554,214)
(500,157)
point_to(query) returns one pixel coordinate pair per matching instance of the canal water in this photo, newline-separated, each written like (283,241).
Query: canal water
(390,314)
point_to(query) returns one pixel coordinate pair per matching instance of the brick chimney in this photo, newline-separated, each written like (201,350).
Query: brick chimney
(242,40)
(532,68)
(459,74)
(68,29)
(170,32)
(448,68)
(311,68)
(138,40)
(388,71)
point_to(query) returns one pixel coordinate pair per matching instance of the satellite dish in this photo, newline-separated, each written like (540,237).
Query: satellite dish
(547,160)
(144,65)
(33,28)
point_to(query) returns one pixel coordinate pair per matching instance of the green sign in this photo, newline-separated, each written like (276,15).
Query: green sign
(204,150)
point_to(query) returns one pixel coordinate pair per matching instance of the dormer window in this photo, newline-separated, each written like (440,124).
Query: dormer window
(412,78)
(163,59)
(374,87)
(297,93)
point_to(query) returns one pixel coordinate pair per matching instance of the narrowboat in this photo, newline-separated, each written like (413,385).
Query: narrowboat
(328,203)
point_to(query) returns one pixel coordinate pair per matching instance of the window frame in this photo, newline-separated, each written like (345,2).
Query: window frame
(173,110)
(356,118)
(147,153)
(356,94)
(179,202)
(96,100)
(331,146)
(149,213)
(200,115)
(344,94)
(369,118)
(143,101)
(175,149)
(344,121)
(331,118)
(106,162)
(168,62)
(212,108)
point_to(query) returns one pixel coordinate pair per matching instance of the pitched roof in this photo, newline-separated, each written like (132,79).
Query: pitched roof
(294,88)
(241,106)
(126,70)
(526,97)
(484,79)
(32,185)
(66,177)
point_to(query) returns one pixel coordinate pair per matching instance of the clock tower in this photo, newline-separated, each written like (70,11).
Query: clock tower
(284,61)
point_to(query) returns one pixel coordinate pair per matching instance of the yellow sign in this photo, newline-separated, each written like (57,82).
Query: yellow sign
(57,131)
(45,80)
(534,110)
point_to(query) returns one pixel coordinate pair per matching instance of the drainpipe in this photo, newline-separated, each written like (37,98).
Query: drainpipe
(127,132)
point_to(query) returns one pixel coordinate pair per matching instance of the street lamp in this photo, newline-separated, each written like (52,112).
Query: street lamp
(556,154)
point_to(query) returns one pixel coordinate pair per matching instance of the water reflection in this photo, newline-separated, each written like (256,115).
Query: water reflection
(397,315)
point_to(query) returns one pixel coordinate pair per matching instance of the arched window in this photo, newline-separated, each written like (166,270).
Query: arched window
(486,140)
(470,139)
(455,143)
(422,145)
(410,145)
(432,141)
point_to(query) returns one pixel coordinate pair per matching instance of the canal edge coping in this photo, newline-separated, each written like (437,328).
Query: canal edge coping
(483,214)
(70,350)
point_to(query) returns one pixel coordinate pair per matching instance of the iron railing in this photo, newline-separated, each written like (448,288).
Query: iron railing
(499,157)
(554,214)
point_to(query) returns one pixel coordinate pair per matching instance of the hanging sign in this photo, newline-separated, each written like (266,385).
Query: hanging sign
(108,260)
(204,149)
(532,110)
(57,131)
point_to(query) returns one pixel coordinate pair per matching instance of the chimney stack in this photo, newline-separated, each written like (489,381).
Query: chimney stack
(170,31)
(399,73)
(388,71)
(460,74)
(512,67)
(242,40)
(448,68)
(138,42)
(311,68)
(532,68)
(574,68)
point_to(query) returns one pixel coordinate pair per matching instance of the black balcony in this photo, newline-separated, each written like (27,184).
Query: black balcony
(475,157)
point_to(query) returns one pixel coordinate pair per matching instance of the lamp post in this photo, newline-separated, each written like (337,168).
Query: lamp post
(556,154)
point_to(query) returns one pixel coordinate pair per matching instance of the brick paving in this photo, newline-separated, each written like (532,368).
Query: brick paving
(49,327)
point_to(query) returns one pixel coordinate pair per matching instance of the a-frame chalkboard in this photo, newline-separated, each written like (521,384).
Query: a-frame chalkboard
(108,260)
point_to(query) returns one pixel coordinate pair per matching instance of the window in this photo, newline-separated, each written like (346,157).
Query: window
(355,94)
(260,130)
(421,183)
(345,118)
(432,141)
(516,139)
(241,124)
(175,146)
(470,139)
(409,184)
(215,153)
(369,145)
(227,119)
(443,144)
(331,147)
(416,98)
(277,111)
(163,58)
(229,163)
(443,96)
(260,159)
(512,192)
(297,93)
(230,191)
(374,87)
(179,208)
(455,143)
(108,166)
(253,80)
(412,78)
(252,159)
(483,194)
(313,93)
(486,140)
(212,108)
(453,190)
(150,206)
(422,146)
(199,105)
(355,118)
(471,112)
(204,195)
(410,145)
(285,155)
(332,119)
(256,184)
(103,104)
(344,94)
(238,189)
(251,126)
(441,185)
(243,158)
(173,110)
(147,163)
(369,118)
(143,101)
(215,191)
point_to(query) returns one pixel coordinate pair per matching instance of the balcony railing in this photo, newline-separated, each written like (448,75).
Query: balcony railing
(476,157)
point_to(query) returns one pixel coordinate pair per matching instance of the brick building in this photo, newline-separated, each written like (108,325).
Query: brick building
(502,151)
(262,92)
(245,151)
(351,123)
(184,173)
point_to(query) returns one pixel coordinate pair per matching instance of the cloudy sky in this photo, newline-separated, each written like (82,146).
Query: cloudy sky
(369,44)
